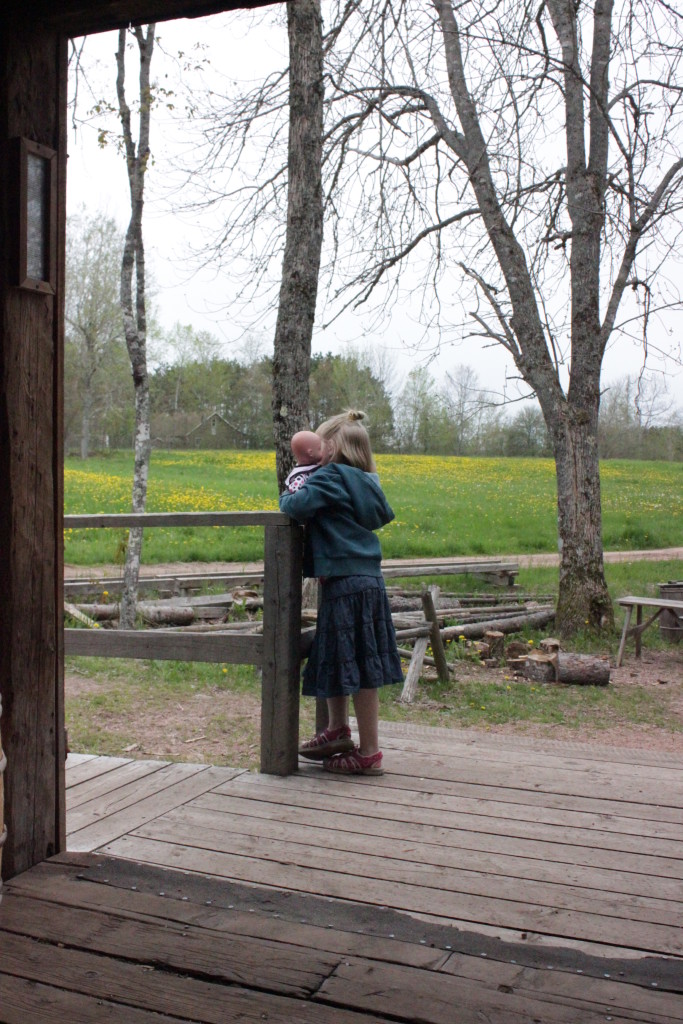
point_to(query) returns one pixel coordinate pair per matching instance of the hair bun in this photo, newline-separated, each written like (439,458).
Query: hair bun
(355,414)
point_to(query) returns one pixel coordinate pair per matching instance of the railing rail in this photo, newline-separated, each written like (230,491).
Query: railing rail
(277,651)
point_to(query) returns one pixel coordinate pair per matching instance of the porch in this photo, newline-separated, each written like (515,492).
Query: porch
(481,878)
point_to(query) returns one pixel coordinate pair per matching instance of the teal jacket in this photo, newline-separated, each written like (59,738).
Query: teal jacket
(341,507)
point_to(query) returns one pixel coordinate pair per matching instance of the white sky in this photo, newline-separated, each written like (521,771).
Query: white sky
(97,181)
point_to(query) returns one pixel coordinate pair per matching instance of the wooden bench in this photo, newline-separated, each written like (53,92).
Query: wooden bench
(659,603)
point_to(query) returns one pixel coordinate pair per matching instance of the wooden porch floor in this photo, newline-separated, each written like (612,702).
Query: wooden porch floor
(481,879)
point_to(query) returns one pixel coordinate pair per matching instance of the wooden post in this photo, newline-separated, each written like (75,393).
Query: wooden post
(33,101)
(414,669)
(281,649)
(435,635)
(624,634)
(639,631)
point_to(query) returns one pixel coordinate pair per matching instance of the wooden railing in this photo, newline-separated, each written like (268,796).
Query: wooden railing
(277,651)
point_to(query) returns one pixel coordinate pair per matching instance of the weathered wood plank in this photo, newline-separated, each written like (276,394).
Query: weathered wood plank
(231,648)
(574,988)
(473,831)
(99,800)
(446,906)
(298,846)
(419,843)
(27,1001)
(122,821)
(428,799)
(258,964)
(405,994)
(180,519)
(64,884)
(189,581)
(102,785)
(447,569)
(177,994)
(92,768)
(546,781)
(483,752)
(414,669)
(563,985)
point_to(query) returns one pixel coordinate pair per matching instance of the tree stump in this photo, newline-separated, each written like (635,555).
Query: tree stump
(540,667)
(549,645)
(516,649)
(495,639)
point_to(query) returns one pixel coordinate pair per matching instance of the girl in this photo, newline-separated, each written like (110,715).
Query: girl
(354,651)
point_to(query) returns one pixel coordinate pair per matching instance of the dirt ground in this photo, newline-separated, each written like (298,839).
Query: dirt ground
(222,727)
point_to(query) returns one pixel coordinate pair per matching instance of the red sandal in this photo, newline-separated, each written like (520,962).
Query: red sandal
(355,763)
(326,743)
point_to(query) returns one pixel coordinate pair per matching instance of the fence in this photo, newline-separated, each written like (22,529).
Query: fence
(277,651)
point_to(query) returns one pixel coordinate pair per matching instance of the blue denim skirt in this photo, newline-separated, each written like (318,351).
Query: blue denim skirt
(354,646)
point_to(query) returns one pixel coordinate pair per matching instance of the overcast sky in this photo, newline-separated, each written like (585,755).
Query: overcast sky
(235,48)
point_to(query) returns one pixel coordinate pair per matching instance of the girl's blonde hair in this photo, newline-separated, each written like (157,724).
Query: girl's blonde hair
(348,440)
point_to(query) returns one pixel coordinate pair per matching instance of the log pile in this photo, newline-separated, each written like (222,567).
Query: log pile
(426,619)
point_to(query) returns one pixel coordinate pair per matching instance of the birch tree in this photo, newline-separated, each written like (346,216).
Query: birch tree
(526,160)
(133,294)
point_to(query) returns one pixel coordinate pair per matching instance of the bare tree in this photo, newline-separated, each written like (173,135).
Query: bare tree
(93,311)
(525,159)
(133,295)
(301,260)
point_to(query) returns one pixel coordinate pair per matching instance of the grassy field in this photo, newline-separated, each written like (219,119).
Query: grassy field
(447,507)
(444,506)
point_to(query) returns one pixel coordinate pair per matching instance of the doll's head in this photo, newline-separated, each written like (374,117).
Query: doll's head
(307,448)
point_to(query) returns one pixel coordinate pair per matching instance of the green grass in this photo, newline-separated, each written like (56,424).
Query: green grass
(484,704)
(444,506)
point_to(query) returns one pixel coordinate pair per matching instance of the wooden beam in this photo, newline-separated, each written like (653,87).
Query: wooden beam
(158,645)
(281,649)
(180,519)
(81,17)
(32,91)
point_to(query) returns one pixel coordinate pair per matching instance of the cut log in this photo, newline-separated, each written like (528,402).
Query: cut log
(540,667)
(79,615)
(582,669)
(476,630)
(549,645)
(421,630)
(570,669)
(516,649)
(156,615)
(495,639)
(406,654)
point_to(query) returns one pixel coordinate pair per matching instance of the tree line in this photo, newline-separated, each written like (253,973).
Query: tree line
(190,381)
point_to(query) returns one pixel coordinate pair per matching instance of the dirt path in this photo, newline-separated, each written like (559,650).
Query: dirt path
(525,562)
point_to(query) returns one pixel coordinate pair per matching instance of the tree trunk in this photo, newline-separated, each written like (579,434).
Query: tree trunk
(301,262)
(134,305)
(85,423)
(583,598)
